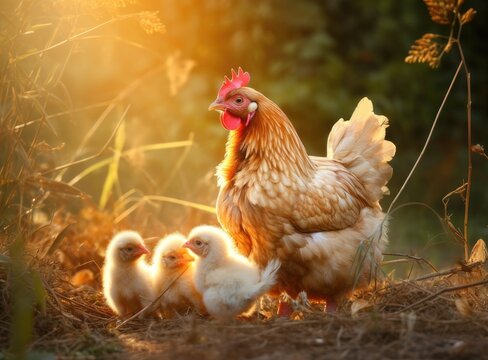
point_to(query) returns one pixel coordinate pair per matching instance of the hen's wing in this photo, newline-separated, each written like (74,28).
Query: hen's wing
(333,200)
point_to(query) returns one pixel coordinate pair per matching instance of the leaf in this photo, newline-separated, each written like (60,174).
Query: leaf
(408,321)
(150,22)
(177,71)
(4,259)
(40,26)
(113,170)
(441,11)
(89,170)
(358,305)
(425,50)
(82,277)
(38,355)
(55,187)
(468,16)
(39,290)
(479,253)
(130,152)
(59,238)
(463,306)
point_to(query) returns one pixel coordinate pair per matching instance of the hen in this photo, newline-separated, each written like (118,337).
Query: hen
(228,282)
(126,276)
(319,215)
(169,263)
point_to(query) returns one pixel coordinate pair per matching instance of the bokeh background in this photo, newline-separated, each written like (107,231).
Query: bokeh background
(315,59)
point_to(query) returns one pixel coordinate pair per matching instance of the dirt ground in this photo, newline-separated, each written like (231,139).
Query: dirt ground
(398,321)
(440,315)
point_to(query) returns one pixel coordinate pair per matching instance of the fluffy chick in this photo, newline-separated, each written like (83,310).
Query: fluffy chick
(126,275)
(228,281)
(169,261)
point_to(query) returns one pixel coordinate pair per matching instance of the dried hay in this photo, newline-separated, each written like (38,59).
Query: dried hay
(443,315)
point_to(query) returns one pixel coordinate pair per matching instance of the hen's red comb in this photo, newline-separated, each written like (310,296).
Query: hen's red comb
(238,80)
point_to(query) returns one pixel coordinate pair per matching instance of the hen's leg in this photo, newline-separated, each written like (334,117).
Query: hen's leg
(284,308)
(330,305)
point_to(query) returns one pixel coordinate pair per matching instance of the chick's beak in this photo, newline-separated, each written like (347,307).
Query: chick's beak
(218,105)
(186,258)
(141,250)
(187,245)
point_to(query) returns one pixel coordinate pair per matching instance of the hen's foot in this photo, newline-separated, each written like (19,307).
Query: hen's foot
(330,306)
(284,309)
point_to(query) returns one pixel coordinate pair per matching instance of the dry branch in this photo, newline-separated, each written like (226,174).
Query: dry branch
(442,291)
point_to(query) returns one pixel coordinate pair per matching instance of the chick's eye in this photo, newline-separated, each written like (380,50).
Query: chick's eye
(239,100)
(172,258)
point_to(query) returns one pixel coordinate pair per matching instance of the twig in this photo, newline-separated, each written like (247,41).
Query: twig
(465,268)
(178,165)
(71,38)
(112,104)
(413,257)
(428,138)
(442,291)
(155,301)
(62,113)
(470,160)
(94,155)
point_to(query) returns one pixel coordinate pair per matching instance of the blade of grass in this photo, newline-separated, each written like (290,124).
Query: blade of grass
(113,169)
(151,198)
(57,241)
(151,147)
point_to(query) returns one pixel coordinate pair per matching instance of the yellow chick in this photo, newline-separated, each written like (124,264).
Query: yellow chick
(126,275)
(170,261)
(229,282)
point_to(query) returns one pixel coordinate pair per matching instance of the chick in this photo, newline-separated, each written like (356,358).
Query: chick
(169,261)
(228,281)
(126,275)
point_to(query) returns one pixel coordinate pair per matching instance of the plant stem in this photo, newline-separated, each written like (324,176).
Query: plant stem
(470,160)
(427,141)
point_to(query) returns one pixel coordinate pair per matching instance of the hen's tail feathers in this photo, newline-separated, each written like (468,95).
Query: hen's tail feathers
(268,277)
(360,145)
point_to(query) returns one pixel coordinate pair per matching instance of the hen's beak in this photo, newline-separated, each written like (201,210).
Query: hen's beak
(217,105)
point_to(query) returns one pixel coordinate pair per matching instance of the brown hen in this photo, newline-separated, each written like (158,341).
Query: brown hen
(319,215)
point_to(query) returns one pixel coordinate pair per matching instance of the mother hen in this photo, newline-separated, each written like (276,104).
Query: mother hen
(319,215)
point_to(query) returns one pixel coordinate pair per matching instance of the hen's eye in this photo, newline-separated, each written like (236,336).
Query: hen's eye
(198,243)
(172,258)
(238,100)
(129,249)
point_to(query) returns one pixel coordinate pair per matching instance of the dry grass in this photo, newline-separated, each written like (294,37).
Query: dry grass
(78,323)
(442,315)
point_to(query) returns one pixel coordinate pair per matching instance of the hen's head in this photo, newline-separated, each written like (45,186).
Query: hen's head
(237,104)
(126,247)
(170,254)
(209,242)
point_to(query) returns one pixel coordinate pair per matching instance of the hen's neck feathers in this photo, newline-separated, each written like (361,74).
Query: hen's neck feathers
(269,137)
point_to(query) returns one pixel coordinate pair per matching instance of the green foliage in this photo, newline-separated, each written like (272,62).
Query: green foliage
(22,314)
